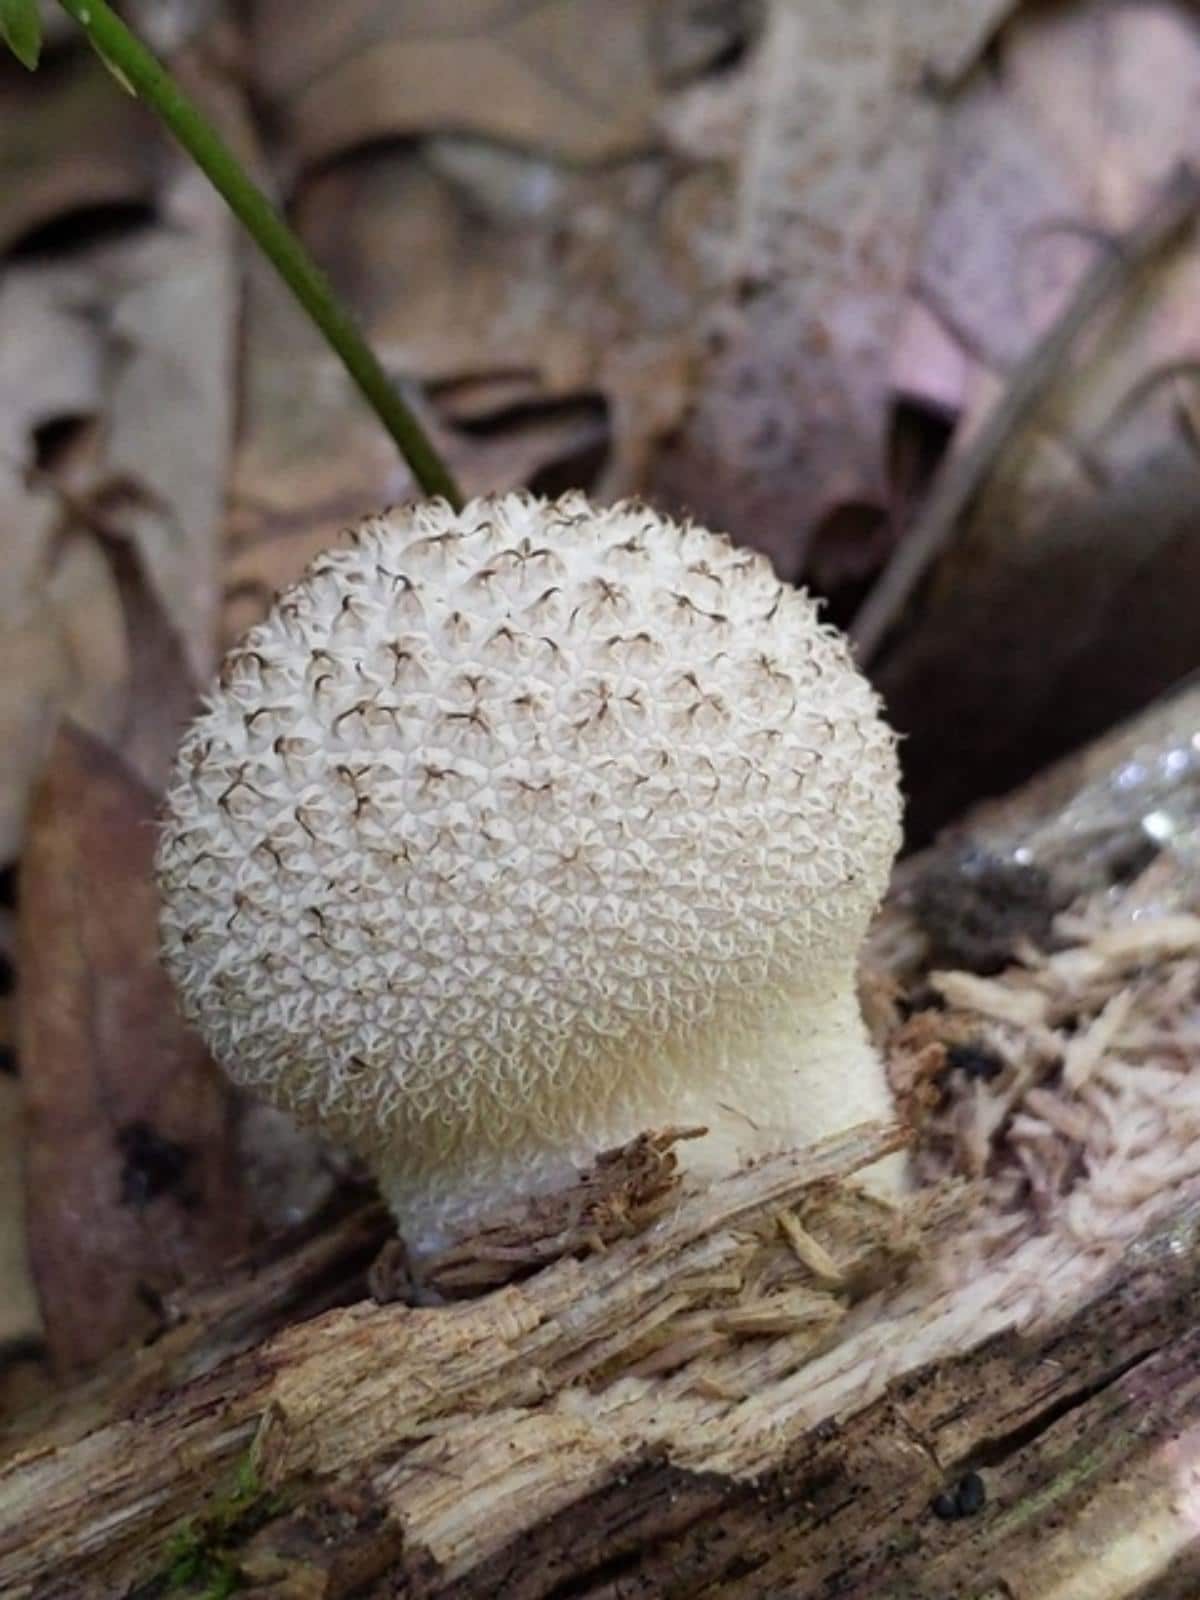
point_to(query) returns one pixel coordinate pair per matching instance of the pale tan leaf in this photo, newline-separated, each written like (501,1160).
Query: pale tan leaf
(138,330)
(572,78)
(62,645)
(170,402)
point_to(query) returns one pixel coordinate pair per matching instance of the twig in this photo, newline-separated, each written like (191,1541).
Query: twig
(962,475)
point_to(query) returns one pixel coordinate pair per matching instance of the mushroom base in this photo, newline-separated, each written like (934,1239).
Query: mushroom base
(808,1070)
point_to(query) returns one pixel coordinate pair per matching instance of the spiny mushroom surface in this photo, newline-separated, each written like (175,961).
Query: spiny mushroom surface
(512,832)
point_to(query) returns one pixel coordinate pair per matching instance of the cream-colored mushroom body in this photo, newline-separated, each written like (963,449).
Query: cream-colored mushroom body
(514,831)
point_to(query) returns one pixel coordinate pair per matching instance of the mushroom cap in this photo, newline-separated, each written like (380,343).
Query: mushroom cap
(493,800)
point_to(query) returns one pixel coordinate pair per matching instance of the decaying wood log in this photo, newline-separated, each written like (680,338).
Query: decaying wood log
(775,1387)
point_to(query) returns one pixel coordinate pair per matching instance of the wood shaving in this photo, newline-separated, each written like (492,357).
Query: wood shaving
(1004,1002)
(1095,1098)
(1084,1052)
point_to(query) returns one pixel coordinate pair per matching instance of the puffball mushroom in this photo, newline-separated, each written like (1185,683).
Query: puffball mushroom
(515,831)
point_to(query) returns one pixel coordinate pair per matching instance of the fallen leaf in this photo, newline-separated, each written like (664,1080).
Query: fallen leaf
(693,39)
(834,176)
(131,1173)
(8,975)
(170,396)
(73,146)
(571,78)
(301,473)
(123,347)
(160,697)
(1026,639)
(547,312)
(62,644)
(999,255)
(20,1315)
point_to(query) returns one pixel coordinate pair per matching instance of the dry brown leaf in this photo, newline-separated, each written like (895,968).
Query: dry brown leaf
(1086,114)
(547,301)
(72,144)
(835,171)
(8,951)
(132,1182)
(20,1315)
(116,398)
(572,78)
(1047,159)
(997,257)
(301,472)
(548,310)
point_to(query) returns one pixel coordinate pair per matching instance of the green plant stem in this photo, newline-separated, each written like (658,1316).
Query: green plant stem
(147,78)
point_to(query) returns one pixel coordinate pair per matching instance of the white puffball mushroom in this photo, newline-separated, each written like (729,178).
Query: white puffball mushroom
(512,832)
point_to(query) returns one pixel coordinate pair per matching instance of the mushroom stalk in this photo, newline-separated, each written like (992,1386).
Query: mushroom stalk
(763,1076)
